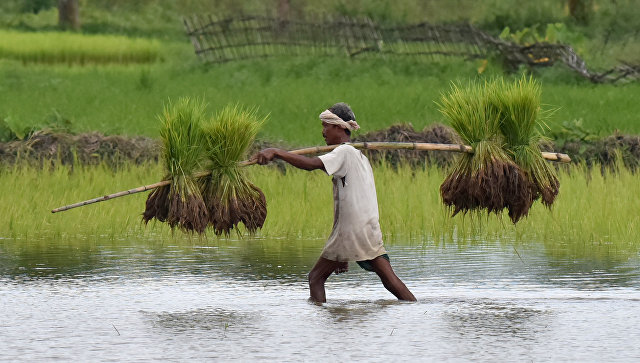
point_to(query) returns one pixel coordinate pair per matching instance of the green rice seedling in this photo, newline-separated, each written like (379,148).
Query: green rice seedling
(522,124)
(229,195)
(180,204)
(488,178)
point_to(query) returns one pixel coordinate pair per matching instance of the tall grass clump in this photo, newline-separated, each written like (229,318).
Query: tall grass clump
(230,197)
(487,179)
(73,48)
(522,124)
(181,204)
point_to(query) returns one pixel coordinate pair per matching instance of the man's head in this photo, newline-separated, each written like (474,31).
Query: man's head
(337,123)
(343,111)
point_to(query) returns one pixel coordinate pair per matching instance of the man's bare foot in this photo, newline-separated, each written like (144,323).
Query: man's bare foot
(342,267)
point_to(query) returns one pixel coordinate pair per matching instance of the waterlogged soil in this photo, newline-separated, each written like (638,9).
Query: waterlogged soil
(246,300)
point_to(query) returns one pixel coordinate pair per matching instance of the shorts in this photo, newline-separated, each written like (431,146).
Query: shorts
(366,264)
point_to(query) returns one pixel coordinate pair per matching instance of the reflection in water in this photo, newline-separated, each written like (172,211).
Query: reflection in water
(585,275)
(47,261)
(591,264)
(289,261)
(284,260)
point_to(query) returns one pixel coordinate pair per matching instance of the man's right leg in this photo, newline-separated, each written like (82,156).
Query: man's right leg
(391,282)
(318,275)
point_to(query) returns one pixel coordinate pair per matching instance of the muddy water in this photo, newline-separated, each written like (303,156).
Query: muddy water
(147,301)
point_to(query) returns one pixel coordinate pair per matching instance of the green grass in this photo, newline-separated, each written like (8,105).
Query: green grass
(591,210)
(126,99)
(72,48)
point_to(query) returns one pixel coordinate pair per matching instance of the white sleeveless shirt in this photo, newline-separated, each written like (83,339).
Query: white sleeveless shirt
(356,234)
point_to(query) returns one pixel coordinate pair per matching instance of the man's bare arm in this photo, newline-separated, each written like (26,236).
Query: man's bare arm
(299,161)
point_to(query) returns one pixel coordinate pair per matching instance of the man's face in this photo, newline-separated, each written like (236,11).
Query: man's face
(333,134)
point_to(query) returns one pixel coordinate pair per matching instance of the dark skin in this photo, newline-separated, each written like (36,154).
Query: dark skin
(334,135)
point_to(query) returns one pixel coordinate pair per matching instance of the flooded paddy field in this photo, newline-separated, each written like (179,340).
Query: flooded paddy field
(136,300)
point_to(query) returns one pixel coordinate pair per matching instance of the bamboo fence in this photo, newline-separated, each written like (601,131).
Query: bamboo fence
(217,40)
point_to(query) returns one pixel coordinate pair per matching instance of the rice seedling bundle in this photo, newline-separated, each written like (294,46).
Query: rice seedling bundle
(205,183)
(180,203)
(488,179)
(230,197)
(521,124)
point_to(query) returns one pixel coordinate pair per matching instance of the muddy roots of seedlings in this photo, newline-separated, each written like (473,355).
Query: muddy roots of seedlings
(183,210)
(226,211)
(255,210)
(187,212)
(157,205)
(494,187)
(519,193)
(548,193)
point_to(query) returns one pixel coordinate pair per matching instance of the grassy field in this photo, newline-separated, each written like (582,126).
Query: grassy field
(126,99)
(300,206)
(71,48)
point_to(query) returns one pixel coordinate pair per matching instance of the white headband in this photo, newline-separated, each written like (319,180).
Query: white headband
(331,118)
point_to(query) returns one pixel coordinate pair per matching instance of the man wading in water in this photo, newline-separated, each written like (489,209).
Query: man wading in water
(356,232)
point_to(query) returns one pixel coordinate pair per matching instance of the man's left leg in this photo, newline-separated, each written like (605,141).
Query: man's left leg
(391,282)
(319,275)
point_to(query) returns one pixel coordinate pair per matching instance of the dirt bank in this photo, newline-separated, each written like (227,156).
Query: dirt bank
(45,148)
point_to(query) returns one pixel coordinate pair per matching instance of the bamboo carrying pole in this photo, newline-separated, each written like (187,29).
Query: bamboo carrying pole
(314,150)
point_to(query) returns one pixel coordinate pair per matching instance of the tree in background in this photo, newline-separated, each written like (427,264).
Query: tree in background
(35,6)
(69,14)
(283,9)
(579,10)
